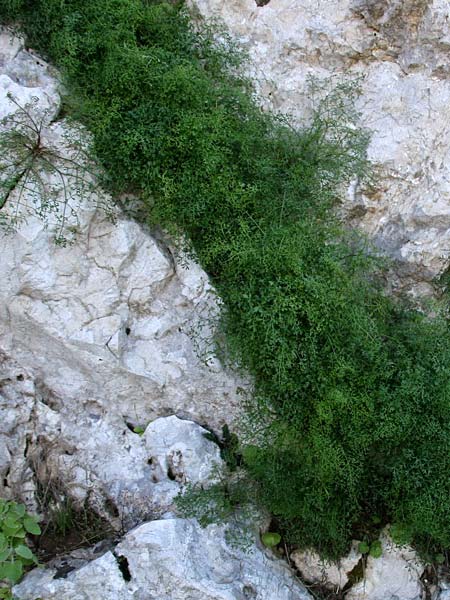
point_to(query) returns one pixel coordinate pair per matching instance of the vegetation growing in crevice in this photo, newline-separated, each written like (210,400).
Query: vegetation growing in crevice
(68,527)
(351,388)
(15,554)
(39,176)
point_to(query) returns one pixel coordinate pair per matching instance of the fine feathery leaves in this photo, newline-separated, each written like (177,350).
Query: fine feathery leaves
(351,388)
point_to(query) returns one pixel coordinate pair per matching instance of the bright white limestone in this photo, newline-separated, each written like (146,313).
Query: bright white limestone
(172,559)
(104,334)
(393,576)
(315,570)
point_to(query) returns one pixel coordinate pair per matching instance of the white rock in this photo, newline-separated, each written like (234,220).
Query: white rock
(46,100)
(100,579)
(171,559)
(10,46)
(316,570)
(105,328)
(97,459)
(393,576)
(109,320)
(92,452)
(179,450)
(25,77)
(17,398)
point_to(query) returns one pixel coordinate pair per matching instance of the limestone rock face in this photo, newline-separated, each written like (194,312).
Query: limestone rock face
(101,338)
(333,575)
(171,559)
(98,337)
(95,458)
(393,576)
(444,595)
(396,575)
(400,47)
(444,587)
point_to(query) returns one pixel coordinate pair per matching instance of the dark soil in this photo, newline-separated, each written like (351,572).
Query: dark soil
(83,529)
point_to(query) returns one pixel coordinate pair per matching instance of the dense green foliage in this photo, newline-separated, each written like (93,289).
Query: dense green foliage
(15,524)
(352,389)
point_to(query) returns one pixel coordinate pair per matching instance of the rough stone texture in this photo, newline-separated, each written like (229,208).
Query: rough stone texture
(401,48)
(393,576)
(93,456)
(96,337)
(171,559)
(17,400)
(443,585)
(24,75)
(179,451)
(315,570)
(99,335)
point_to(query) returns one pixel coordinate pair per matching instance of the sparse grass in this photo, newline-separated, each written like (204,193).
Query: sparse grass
(68,527)
(66,524)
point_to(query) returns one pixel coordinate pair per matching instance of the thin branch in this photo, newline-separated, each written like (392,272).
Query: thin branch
(15,182)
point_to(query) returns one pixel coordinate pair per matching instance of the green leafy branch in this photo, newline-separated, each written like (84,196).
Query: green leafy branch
(15,555)
(39,176)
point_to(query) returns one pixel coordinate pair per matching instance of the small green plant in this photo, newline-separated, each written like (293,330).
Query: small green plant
(363,547)
(271,539)
(38,176)
(62,518)
(229,445)
(374,549)
(229,502)
(216,503)
(15,555)
(401,534)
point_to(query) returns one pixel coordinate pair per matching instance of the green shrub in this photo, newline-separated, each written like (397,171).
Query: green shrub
(15,524)
(351,388)
(39,177)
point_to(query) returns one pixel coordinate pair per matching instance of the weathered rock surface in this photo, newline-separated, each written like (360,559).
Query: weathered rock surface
(315,570)
(396,575)
(97,337)
(393,576)
(116,300)
(401,48)
(440,589)
(93,456)
(171,559)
